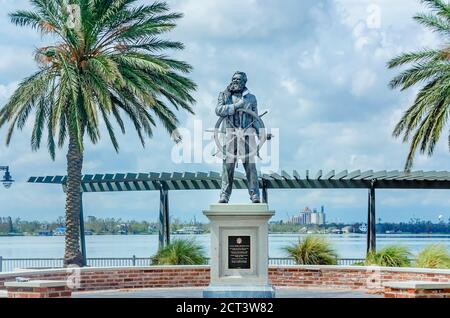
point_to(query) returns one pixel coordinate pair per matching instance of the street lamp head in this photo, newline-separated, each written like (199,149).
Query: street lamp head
(7,179)
(7,184)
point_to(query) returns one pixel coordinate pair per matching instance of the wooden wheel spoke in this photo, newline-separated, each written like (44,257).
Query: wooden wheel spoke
(231,123)
(250,124)
(229,142)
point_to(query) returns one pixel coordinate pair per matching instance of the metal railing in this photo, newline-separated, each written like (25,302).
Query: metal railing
(119,261)
(11,264)
(291,261)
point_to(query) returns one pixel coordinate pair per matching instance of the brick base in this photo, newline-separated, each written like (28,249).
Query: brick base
(55,292)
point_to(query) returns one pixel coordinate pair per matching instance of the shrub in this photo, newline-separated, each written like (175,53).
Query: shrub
(390,256)
(313,250)
(433,256)
(180,252)
(359,264)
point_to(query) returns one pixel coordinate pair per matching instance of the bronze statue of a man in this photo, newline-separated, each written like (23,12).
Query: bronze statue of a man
(236,97)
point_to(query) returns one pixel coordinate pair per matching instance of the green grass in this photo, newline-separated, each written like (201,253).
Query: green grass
(180,252)
(433,256)
(313,250)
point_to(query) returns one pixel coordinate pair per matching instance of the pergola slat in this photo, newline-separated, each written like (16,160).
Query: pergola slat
(87,177)
(329,175)
(131,176)
(365,174)
(414,175)
(177,176)
(215,175)
(143,176)
(392,174)
(48,179)
(430,175)
(340,175)
(401,176)
(276,176)
(58,179)
(239,175)
(380,174)
(441,175)
(319,174)
(352,175)
(285,175)
(165,176)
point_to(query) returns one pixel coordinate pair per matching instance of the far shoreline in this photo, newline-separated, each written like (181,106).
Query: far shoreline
(270,233)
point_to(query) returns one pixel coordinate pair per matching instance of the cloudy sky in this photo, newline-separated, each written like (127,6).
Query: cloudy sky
(318,65)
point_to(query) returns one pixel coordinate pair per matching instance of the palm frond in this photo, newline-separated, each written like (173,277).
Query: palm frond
(418,73)
(413,57)
(439,7)
(434,22)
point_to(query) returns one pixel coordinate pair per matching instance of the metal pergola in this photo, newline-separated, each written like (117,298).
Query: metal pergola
(165,182)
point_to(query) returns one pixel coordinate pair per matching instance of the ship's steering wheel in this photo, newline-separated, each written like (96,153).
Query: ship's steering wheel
(239,135)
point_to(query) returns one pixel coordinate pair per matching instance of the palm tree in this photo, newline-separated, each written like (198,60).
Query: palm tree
(424,121)
(106,62)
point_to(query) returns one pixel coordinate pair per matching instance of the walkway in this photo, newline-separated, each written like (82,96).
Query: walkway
(197,293)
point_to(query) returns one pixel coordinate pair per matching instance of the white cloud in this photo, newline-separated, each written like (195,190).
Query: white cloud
(14,58)
(290,85)
(363,81)
(309,59)
(7,90)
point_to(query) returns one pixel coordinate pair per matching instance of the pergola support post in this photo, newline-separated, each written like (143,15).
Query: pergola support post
(164,224)
(265,195)
(371,220)
(82,235)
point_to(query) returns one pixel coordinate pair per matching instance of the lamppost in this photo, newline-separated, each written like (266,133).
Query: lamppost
(7,179)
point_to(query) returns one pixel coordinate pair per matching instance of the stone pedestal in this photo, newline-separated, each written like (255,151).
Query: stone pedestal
(239,251)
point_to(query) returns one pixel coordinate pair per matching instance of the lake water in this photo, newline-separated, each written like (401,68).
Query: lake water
(347,245)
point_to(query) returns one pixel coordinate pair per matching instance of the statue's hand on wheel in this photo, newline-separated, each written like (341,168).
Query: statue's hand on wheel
(240,104)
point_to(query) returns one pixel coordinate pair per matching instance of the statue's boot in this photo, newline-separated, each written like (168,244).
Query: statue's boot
(256,199)
(223,199)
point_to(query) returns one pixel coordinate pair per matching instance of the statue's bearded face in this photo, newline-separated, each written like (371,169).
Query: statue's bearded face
(237,84)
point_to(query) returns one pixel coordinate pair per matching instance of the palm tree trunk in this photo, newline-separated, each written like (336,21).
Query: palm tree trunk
(72,254)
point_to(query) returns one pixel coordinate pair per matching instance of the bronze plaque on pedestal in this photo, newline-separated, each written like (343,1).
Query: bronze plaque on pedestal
(239,252)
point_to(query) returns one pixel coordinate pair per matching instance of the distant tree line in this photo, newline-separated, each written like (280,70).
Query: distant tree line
(414,226)
(92,224)
(19,226)
(119,226)
(6,225)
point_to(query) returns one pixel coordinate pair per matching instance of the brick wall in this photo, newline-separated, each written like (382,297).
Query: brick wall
(363,278)
(416,293)
(336,277)
(121,278)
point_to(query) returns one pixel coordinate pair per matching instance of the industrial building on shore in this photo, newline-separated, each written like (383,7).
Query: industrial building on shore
(309,217)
